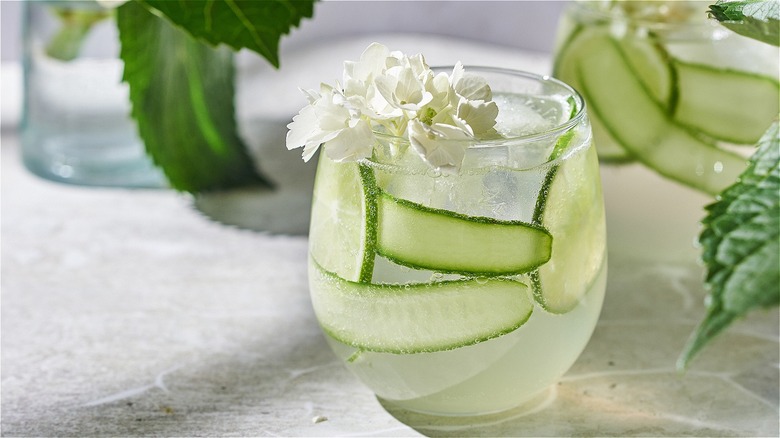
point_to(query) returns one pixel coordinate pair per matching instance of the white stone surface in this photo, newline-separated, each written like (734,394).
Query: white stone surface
(128,313)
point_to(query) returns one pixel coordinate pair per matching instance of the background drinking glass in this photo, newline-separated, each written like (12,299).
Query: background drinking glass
(677,103)
(76,126)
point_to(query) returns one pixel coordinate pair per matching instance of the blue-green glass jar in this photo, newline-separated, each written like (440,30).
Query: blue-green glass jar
(76,126)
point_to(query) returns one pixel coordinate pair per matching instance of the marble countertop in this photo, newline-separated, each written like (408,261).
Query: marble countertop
(131,313)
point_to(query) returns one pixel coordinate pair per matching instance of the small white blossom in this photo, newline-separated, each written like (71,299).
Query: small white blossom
(479,116)
(440,114)
(403,89)
(469,86)
(328,120)
(441,146)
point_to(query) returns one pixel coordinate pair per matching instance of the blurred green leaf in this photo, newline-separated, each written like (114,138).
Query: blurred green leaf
(257,25)
(757,19)
(182,93)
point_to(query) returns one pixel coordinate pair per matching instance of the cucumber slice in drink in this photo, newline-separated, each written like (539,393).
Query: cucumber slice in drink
(726,104)
(417,318)
(421,237)
(581,42)
(610,151)
(570,206)
(344,211)
(652,66)
(641,125)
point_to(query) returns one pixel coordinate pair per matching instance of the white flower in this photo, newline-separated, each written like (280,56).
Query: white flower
(440,114)
(358,76)
(326,120)
(403,89)
(441,146)
(476,116)
(469,86)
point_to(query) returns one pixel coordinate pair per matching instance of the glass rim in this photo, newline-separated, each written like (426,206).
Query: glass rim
(554,131)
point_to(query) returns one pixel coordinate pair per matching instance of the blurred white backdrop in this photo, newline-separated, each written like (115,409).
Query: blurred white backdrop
(482,30)
(528,25)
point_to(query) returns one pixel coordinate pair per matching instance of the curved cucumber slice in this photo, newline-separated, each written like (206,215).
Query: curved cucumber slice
(610,151)
(571,207)
(419,317)
(342,234)
(583,41)
(652,65)
(729,105)
(414,235)
(618,98)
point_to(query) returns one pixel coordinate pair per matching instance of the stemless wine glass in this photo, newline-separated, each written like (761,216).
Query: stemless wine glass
(676,102)
(466,293)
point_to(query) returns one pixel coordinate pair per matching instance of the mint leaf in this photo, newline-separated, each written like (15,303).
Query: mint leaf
(257,25)
(757,19)
(182,92)
(741,245)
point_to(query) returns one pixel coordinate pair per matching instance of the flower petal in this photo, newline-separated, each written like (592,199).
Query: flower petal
(441,146)
(303,126)
(480,115)
(470,86)
(351,144)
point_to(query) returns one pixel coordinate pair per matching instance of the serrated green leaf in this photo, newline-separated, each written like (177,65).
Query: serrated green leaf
(757,19)
(741,245)
(182,92)
(257,25)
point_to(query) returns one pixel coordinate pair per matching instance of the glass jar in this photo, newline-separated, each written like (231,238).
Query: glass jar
(468,293)
(677,103)
(76,125)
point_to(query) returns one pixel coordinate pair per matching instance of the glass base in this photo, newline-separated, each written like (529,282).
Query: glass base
(103,165)
(448,423)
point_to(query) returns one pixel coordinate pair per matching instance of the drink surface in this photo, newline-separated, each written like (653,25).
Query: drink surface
(470,293)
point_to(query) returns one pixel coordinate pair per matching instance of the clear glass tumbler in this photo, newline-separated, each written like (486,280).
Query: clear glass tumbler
(467,293)
(76,125)
(677,102)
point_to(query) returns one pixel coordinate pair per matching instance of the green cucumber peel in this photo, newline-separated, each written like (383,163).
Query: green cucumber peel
(370,193)
(473,290)
(745,103)
(644,152)
(439,249)
(565,68)
(541,200)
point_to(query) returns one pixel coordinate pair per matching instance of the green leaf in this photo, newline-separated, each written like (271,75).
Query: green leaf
(757,19)
(257,25)
(182,92)
(741,245)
